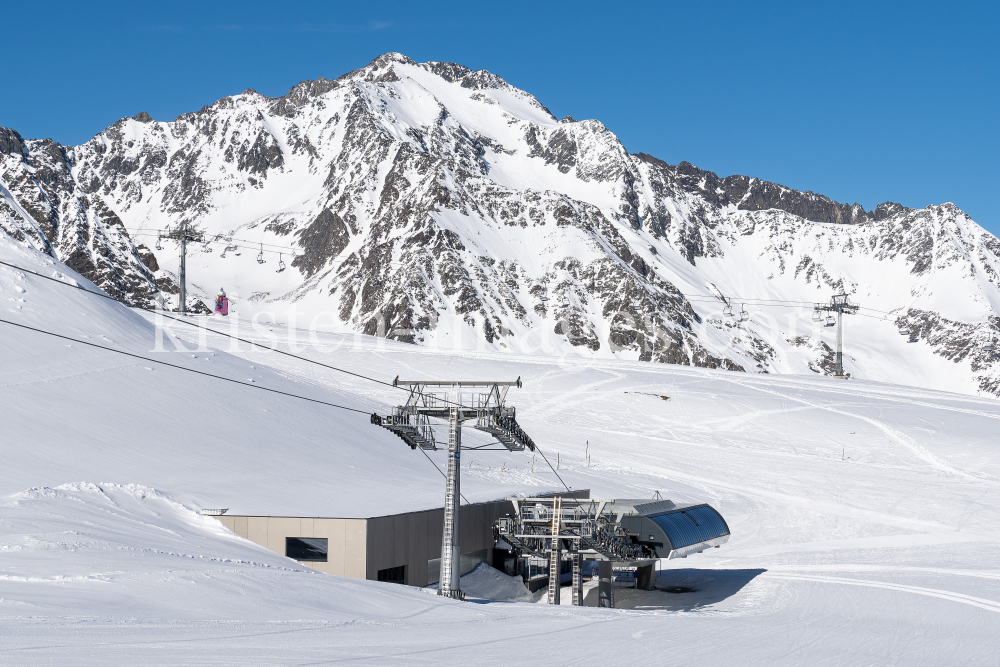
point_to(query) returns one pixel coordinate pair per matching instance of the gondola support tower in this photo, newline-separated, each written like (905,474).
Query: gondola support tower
(841,305)
(483,404)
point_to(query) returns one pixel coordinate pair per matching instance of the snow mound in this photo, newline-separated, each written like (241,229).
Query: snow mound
(488,583)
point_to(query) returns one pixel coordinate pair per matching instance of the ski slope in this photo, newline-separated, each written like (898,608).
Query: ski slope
(864,516)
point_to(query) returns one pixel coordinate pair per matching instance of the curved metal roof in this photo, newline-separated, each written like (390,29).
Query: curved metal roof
(691,525)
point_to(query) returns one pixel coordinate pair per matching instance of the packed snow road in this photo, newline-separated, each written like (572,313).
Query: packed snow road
(864,516)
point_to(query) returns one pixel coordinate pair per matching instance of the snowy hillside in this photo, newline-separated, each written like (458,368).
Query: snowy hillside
(863,515)
(429,203)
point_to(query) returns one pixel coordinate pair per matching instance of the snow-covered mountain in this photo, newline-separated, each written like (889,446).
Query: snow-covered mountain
(42,204)
(432,204)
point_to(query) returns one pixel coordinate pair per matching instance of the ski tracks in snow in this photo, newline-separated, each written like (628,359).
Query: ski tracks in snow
(982,603)
(920,452)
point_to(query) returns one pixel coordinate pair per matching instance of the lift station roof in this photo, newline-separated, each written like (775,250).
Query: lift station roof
(673,530)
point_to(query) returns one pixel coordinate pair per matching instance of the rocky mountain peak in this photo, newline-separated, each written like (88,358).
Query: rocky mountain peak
(438,205)
(11,143)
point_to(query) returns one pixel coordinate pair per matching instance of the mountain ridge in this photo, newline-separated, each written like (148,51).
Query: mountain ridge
(435,204)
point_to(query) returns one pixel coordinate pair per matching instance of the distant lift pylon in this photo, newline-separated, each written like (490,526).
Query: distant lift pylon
(458,402)
(841,305)
(183,233)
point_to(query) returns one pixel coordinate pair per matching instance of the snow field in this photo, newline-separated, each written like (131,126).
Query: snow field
(864,515)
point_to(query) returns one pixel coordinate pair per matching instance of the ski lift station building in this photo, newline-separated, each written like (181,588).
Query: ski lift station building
(406,548)
(401,548)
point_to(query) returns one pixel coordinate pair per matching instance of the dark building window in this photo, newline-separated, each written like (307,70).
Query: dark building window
(393,575)
(306,548)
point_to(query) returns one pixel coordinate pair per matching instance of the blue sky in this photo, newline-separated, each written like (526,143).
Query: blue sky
(862,102)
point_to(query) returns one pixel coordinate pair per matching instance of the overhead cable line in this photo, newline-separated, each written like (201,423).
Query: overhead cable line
(220,333)
(236,246)
(436,467)
(211,238)
(217,377)
(550,465)
(183,368)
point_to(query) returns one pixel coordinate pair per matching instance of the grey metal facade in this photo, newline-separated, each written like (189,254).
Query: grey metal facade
(361,548)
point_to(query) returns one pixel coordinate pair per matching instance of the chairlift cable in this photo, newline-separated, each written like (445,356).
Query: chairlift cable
(250,342)
(544,280)
(442,472)
(220,333)
(538,449)
(194,324)
(215,238)
(183,368)
(241,243)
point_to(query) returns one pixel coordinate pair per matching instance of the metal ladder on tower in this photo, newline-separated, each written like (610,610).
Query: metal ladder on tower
(555,559)
(577,580)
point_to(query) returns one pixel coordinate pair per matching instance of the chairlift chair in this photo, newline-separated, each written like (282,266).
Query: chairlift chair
(830,321)
(281,264)
(744,315)
(913,337)
(903,331)
(260,255)
(158,246)
(727,311)
(817,317)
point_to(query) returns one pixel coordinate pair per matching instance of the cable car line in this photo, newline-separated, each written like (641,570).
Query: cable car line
(253,343)
(183,368)
(220,333)
(709,298)
(193,324)
(213,238)
(240,243)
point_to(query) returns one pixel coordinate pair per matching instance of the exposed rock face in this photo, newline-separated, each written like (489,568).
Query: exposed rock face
(42,205)
(434,204)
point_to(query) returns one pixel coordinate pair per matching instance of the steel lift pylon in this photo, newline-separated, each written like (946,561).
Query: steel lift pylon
(183,234)
(842,306)
(483,403)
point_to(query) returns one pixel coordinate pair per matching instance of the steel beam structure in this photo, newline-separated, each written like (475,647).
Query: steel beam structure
(555,553)
(182,235)
(458,402)
(615,532)
(841,305)
(577,579)
(605,584)
(451,540)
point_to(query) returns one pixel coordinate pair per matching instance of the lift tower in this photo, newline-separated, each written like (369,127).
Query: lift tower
(458,402)
(183,233)
(840,304)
